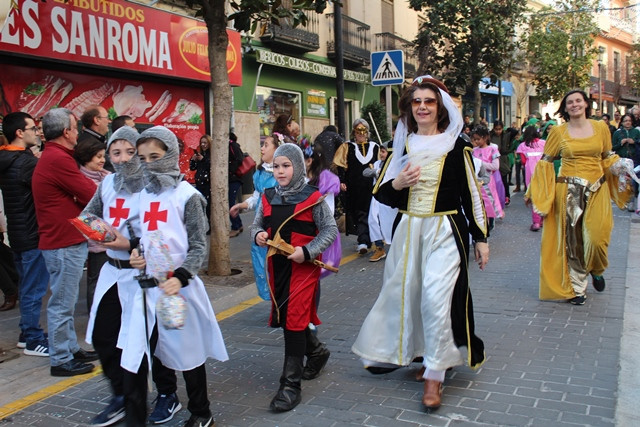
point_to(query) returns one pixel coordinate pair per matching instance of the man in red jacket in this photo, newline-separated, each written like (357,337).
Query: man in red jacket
(60,192)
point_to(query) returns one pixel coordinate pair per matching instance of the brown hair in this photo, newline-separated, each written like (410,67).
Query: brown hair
(404,105)
(563,105)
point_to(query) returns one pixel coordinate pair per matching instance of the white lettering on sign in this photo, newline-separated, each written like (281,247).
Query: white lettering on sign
(306,66)
(78,33)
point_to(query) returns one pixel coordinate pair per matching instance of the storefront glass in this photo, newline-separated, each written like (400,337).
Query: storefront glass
(271,103)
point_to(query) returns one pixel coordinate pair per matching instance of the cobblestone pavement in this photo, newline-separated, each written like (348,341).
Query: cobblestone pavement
(548,363)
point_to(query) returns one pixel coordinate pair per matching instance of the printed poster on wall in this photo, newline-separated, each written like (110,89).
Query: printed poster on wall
(36,91)
(316,102)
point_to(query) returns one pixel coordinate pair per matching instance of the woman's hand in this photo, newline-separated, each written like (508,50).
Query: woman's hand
(136,260)
(261,238)
(235,209)
(171,286)
(482,254)
(343,186)
(527,202)
(197,157)
(407,177)
(297,255)
(121,242)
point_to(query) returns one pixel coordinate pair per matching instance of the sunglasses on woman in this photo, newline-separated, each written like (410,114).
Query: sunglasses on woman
(416,102)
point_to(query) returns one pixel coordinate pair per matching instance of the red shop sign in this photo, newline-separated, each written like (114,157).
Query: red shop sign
(116,34)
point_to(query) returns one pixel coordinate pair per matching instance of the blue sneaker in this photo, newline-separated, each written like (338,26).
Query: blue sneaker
(22,341)
(166,407)
(40,348)
(113,413)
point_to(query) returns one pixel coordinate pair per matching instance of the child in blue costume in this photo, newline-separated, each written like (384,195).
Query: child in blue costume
(262,179)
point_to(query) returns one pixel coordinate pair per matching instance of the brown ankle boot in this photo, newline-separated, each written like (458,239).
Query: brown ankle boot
(432,394)
(9,302)
(420,373)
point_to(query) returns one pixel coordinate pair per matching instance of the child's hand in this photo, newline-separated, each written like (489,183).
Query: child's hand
(137,261)
(171,286)
(121,242)
(297,255)
(261,238)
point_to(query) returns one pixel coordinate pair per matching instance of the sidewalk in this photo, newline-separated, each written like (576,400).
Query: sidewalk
(548,364)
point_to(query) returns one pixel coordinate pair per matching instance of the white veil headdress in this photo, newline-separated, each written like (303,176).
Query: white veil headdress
(427,148)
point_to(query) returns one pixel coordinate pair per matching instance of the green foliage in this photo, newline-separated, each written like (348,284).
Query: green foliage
(249,13)
(463,41)
(560,47)
(634,78)
(379,114)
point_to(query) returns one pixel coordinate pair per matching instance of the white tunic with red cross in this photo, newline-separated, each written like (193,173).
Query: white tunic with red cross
(117,209)
(200,338)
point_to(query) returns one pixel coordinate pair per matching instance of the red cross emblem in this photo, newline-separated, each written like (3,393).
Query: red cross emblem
(118,212)
(154,215)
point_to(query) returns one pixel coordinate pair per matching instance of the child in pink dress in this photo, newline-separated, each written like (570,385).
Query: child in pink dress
(530,151)
(489,154)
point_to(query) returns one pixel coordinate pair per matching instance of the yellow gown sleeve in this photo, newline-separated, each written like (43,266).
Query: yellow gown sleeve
(542,187)
(340,157)
(609,158)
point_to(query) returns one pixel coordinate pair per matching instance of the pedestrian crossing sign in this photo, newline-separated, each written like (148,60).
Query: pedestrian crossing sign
(387,67)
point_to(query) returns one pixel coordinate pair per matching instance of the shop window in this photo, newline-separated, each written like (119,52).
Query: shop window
(271,103)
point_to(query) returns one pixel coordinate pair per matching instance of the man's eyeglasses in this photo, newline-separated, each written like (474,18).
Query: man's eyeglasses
(33,128)
(416,102)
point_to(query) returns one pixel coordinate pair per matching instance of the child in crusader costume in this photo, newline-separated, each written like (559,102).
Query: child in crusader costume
(117,202)
(292,279)
(262,179)
(172,212)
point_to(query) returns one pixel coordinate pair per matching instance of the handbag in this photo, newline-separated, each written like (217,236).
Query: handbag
(247,164)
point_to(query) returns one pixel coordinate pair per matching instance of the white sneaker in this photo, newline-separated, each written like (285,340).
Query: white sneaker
(37,349)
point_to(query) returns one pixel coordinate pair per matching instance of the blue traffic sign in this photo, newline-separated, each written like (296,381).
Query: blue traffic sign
(387,67)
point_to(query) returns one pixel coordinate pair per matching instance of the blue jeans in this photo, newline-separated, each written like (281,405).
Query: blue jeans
(34,279)
(65,270)
(234,186)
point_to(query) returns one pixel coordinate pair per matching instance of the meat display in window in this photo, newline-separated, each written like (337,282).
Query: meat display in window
(41,96)
(130,101)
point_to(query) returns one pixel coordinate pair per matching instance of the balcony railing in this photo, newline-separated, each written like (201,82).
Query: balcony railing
(389,41)
(356,50)
(287,39)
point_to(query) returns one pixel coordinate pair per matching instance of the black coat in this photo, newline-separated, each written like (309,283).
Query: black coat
(16,170)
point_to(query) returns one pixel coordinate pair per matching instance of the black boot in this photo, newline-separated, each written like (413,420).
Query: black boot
(289,395)
(317,356)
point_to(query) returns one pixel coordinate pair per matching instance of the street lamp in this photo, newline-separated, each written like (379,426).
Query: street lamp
(600,58)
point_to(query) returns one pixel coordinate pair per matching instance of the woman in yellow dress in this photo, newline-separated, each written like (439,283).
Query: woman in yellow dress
(577,204)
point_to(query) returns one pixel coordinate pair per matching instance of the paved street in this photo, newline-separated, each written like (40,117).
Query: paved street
(548,363)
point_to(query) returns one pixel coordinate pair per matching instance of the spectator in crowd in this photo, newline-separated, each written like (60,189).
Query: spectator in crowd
(95,124)
(120,121)
(329,140)
(607,119)
(236,156)
(201,163)
(60,192)
(8,274)
(90,155)
(17,164)
(286,126)
(616,118)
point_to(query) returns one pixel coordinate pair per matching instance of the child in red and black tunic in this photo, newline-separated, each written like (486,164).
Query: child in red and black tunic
(292,279)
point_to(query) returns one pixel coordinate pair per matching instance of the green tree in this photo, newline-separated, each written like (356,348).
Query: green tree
(246,16)
(463,41)
(634,78)
(379,114)
(560,47)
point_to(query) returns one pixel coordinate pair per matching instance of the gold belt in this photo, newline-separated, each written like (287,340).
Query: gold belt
(591,188)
